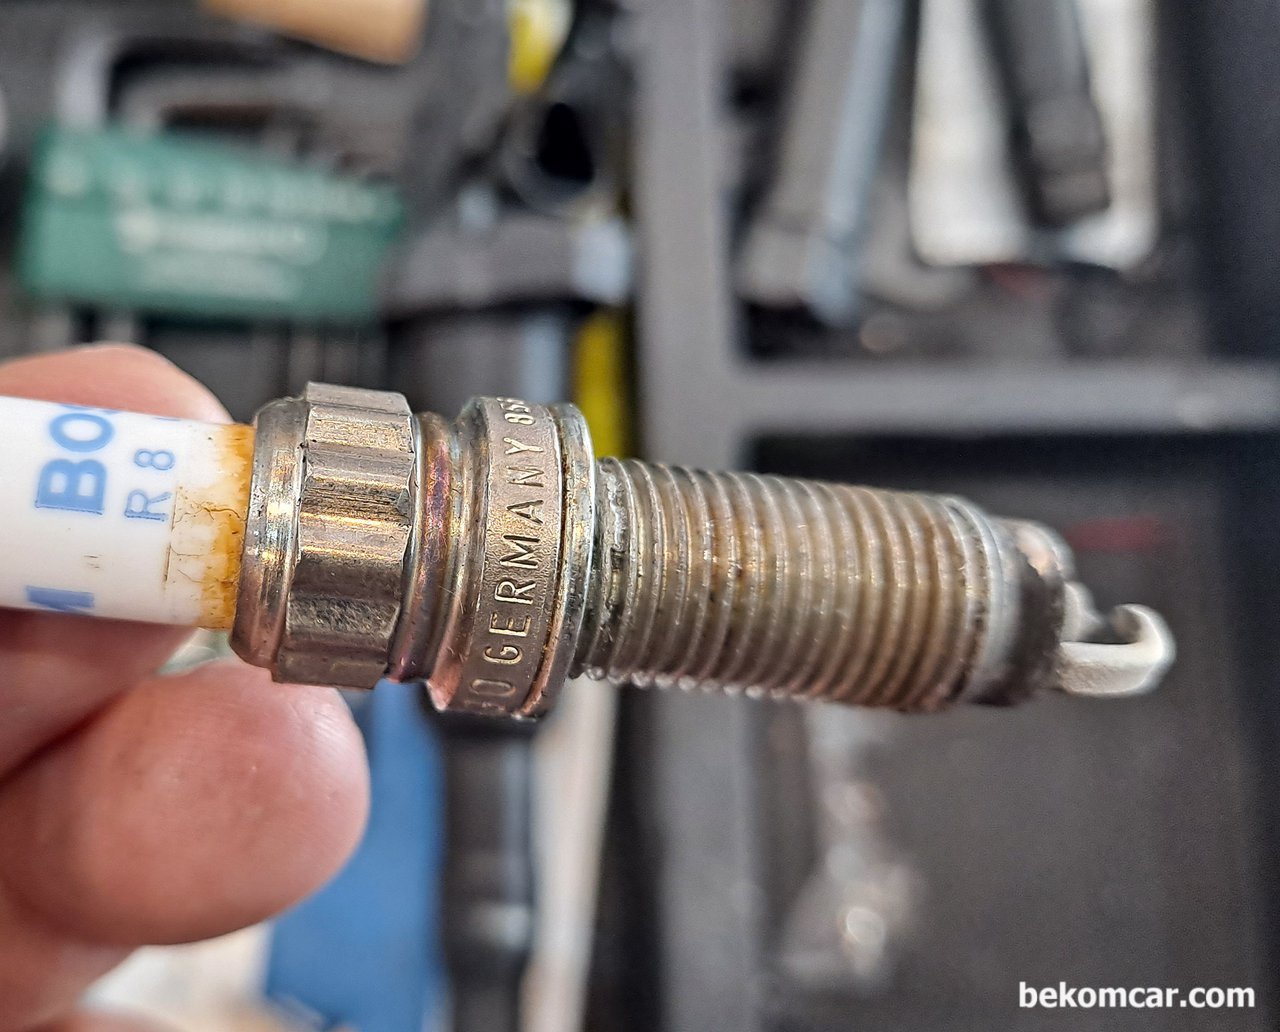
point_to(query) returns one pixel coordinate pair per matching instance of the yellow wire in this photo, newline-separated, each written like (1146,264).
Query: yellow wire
(600,381)
(538,31)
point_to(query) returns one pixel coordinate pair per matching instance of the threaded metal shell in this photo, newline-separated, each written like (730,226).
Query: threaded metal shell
(791,588)
(491,556)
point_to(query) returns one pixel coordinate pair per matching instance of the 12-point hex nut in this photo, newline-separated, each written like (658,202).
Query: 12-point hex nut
(330,518)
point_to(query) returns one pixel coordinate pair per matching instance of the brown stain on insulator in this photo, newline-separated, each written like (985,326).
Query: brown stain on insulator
(228,515)
(216,512)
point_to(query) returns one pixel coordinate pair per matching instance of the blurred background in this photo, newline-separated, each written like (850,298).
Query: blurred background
(1023,250)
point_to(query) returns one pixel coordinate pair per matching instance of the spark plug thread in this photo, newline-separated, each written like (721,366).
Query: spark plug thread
(792,588)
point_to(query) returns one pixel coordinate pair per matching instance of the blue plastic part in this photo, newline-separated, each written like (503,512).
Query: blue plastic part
(365,953)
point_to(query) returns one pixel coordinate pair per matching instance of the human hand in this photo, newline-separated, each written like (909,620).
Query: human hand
(137,809)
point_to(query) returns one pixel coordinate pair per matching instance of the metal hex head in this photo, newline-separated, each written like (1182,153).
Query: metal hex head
(330,515)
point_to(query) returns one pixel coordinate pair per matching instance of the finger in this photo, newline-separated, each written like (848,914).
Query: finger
(99,1021)
(120,376)
(56,670)
(43,971)
(190,807)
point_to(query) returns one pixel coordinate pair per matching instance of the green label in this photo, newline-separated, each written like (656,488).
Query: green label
(181,226)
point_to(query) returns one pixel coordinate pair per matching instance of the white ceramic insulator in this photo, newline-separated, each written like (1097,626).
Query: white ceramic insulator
(120,515)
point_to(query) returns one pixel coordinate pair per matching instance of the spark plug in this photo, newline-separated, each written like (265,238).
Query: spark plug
(493,557)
